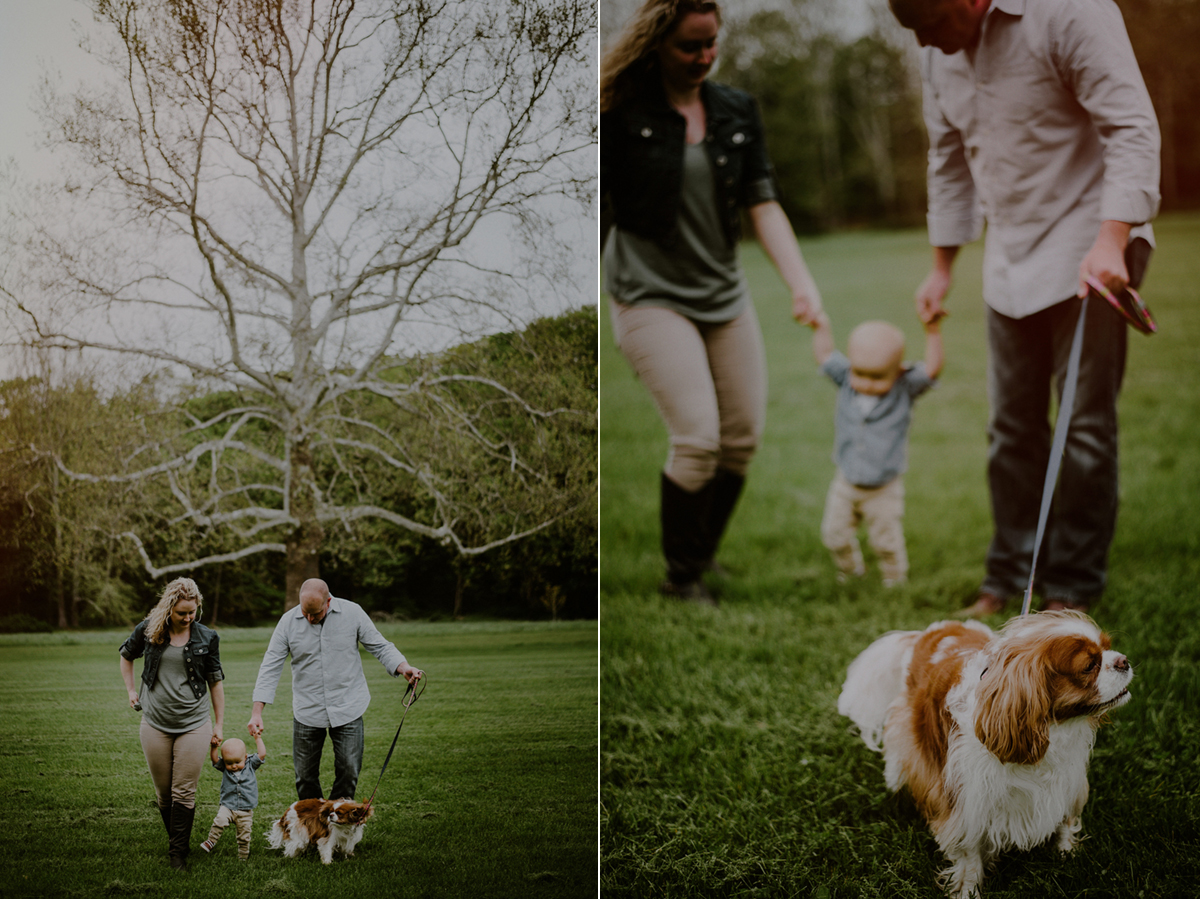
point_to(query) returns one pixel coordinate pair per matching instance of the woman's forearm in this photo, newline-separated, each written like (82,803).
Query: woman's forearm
(777,238)
(218,703)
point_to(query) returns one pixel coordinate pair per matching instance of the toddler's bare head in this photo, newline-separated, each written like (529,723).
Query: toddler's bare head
(876,353)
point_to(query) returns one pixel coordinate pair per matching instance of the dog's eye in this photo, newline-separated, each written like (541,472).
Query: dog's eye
(1091,665)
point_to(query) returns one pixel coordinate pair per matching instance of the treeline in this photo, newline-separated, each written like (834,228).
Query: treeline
(842,119)
(66,562)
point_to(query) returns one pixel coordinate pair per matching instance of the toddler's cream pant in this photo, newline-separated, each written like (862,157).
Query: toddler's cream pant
(882,510)
(244,821)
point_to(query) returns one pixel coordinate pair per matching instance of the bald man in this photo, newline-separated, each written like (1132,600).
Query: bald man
(329,689)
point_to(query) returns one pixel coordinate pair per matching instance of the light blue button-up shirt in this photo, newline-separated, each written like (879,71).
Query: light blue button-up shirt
(239,789)
(329,688)
(871,444)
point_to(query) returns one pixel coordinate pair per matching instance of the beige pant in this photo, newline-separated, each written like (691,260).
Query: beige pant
(882,509)
(175,762)
(244,821)
(709,382)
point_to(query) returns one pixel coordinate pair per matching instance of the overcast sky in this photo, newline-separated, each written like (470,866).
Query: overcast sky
(37,36)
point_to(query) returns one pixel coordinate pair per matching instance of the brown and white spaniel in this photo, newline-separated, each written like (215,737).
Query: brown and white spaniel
(329,824)
(991,732)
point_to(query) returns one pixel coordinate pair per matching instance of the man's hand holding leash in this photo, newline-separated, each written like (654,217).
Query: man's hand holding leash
(1105,261)
(409,673)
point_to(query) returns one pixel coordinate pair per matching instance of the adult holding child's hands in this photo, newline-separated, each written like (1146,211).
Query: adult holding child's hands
(1040,125)
(322,635)
(182,669)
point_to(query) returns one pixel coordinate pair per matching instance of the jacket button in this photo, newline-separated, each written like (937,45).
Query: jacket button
(646,132)
(739,138)
(721,160)
(729,182)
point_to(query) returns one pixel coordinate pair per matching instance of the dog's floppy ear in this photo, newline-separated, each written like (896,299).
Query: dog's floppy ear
(1012,714)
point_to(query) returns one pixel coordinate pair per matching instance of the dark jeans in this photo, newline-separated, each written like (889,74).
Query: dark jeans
(307,745)
(1027,356)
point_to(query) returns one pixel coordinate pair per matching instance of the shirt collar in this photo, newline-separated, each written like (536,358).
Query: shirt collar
(297,612)
(1011,7)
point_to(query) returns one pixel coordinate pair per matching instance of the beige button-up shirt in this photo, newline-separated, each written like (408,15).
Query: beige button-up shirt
(1044,130)
(329,688)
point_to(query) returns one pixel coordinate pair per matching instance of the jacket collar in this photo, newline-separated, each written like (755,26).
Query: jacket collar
(654,97)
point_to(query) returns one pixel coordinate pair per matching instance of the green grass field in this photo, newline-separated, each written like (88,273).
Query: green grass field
(491,791)
(725,768)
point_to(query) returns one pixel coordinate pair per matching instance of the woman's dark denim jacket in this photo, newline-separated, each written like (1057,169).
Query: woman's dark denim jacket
(201,656)
(641,160)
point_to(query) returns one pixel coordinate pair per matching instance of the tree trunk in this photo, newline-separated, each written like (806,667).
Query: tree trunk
(60,592)
(76,599)
(459,583)
(60,595)
(216,597)
(304,543)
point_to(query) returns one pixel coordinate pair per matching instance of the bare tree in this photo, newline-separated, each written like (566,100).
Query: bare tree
(293,204)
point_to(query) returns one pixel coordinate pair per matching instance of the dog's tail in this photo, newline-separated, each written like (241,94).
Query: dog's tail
(873,681)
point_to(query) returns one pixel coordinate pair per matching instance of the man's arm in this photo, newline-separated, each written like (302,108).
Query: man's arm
(374,642)
(268,677)
(955,215)
(1095,52)
(931,295)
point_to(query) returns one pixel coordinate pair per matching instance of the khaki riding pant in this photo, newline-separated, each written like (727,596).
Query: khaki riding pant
(175,762)
(709,382)
(882,510)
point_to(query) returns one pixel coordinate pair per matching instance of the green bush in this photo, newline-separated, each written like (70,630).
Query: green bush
(23,624)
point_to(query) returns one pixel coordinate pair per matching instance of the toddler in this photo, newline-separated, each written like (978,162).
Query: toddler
(876,389)
(239,791)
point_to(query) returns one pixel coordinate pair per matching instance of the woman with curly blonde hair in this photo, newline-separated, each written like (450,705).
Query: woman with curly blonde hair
(182,664)
(680,158)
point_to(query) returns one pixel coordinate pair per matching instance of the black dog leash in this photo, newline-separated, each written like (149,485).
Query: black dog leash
(411,695)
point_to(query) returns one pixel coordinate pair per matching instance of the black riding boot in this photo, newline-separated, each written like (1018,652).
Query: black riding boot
(726,488)
(180,834)
(684,517)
